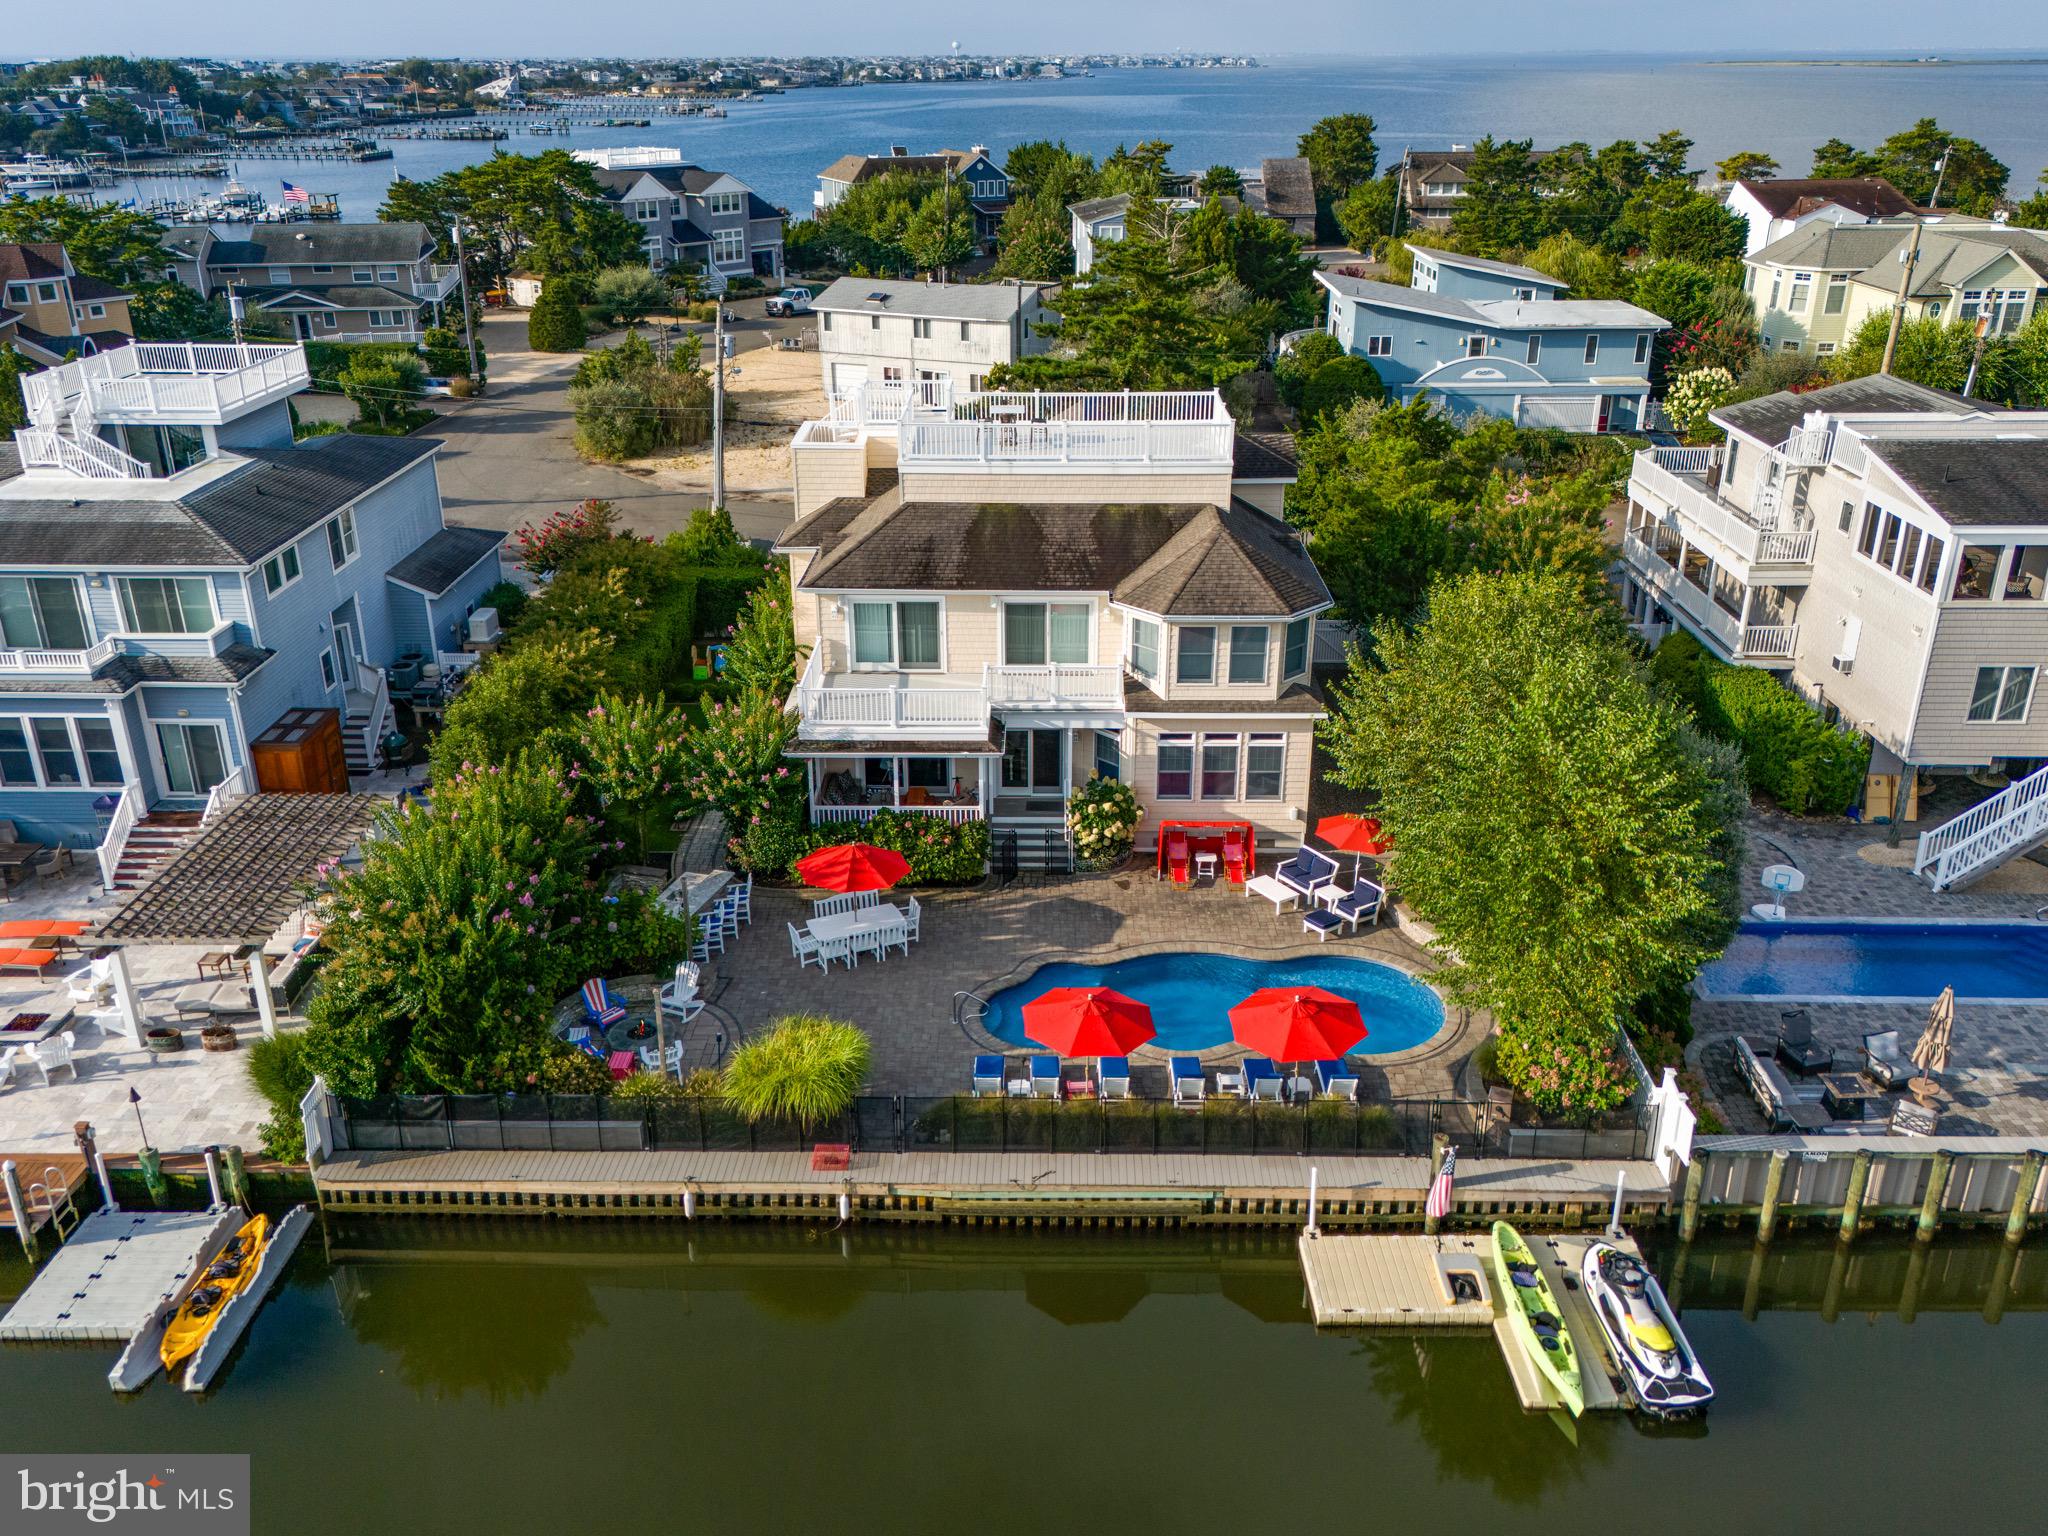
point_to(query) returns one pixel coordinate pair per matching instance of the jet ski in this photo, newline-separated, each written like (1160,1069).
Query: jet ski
(1643,1334)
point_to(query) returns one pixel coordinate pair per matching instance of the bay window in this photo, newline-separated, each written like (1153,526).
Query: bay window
(1197,662)
(1248,644)
(1145,648)
(168,605)
(896,634)
(1294,659)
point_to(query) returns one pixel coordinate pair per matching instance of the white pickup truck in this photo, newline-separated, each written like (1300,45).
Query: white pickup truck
(791,301)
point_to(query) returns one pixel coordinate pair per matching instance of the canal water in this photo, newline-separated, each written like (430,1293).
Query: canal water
(524,1378)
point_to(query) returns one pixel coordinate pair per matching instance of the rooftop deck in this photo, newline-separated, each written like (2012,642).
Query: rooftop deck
(190,383)
(936,428)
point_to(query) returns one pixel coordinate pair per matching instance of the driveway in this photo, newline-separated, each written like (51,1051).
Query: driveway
(509,458)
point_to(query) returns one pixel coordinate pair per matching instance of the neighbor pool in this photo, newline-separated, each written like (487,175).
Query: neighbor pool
(1191,996)
(1982,961)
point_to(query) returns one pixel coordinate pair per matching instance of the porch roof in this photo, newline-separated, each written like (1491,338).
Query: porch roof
(240,878)
(992,746)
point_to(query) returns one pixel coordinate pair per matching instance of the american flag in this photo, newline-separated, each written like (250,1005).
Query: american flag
(1439,1205)
(294,194)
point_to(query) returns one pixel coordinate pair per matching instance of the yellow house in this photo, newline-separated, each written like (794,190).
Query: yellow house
(49,310)
(1814,288)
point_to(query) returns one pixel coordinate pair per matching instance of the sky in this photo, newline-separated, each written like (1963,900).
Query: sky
(643,28)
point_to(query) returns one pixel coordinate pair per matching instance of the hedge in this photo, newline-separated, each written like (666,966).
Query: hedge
(941,852)
(1788,751)
(326,361)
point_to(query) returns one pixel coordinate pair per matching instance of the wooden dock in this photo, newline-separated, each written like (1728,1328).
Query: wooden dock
(62,1172)
(1008,1188)
(1400,1281)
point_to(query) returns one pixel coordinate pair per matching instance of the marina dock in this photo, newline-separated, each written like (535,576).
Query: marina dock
(1384,1280)
(117,1269)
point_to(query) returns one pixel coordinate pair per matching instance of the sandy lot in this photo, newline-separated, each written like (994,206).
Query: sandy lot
(772,392)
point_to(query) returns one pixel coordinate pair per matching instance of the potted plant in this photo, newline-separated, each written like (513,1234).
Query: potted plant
(163,1037)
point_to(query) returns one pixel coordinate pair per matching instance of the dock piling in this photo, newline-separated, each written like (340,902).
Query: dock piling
(1852,1202)
(1930,1203)
(23,1227)
(1774,1187)
(1438,1144)
(2023,1198)
(213,1176)
(238,1180)
(1689,1212)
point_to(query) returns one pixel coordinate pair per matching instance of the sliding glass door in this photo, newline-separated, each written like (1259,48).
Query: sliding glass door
(195,755)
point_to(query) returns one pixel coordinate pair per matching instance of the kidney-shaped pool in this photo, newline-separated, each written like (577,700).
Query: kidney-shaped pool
(1191,996)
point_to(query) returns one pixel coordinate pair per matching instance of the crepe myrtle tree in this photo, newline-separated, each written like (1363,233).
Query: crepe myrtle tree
(631,754)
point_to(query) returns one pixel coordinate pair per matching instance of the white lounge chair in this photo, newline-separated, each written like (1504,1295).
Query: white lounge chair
(680,996)
(986,1080)
(1185,1073)
(808,950)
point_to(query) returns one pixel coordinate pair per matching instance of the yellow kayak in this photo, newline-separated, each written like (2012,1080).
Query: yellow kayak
(227,1274)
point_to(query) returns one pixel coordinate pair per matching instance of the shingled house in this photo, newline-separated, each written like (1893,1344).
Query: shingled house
(1004,595)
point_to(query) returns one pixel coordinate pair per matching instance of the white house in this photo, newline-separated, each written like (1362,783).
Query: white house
(900,332)
(1774,208)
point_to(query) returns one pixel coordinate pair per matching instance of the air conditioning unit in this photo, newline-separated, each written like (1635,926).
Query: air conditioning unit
(483,626)
(1843,664)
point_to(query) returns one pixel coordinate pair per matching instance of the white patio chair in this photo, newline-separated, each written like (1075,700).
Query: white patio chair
(650,1059)
(870,941)
(92,987)
(672,1058)
(808,950)
(914,917)
(680,996)
(837,949)
(898,934)
(53,1053)
(7,1064)
(743,899)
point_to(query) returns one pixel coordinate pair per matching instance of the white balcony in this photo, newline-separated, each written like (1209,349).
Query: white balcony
(181,382)
(1730,634)
(442,282)
(1682,483)
(1109,431)
(14,663)
(853,706)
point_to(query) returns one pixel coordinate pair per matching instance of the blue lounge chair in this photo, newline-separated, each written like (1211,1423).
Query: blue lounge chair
(1261,1078)
(1045,1077)
(1189,1085)
(1336,1079)
(1307,872)
(987,1080)
(601,1005)
(593,1045)
(1114,1073)
(1361,904)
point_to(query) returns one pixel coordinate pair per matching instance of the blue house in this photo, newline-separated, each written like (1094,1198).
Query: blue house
(1492,337)
(176,573)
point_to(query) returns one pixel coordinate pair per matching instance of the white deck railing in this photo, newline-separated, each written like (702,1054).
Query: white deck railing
(953,813)
(895,701)
(88,457)
(1057,686)
(1986,835)
(43,660)
(115,839)
(180,380)
(1740,642)
(224,794)
(1158,427)
(1725,532)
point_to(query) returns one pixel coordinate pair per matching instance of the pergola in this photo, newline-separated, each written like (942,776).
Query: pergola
(235,883)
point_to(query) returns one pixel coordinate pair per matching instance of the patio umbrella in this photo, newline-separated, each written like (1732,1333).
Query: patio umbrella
(848,867)
(1930,1051)
(1359,836)
(1297,1024)
(1088,1021)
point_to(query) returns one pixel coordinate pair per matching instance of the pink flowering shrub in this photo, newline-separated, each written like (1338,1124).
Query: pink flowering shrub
(548,545)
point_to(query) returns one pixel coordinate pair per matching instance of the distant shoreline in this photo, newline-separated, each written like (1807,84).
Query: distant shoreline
(1869,63)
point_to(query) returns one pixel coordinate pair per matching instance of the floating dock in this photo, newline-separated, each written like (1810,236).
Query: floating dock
(118,1268)
(1403,1281)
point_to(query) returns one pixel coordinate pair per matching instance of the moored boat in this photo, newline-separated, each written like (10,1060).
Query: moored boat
(1643,1335)
(1534,1317)
(226,1275)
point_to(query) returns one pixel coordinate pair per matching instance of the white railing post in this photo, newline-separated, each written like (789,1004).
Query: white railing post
(115,839)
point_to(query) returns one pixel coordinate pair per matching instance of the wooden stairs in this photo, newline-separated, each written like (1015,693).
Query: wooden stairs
(150,846)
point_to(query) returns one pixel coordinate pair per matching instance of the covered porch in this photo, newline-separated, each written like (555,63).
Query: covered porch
(854,780)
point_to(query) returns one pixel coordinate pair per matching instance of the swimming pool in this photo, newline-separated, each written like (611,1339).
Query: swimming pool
(1191,996)
(1984,962)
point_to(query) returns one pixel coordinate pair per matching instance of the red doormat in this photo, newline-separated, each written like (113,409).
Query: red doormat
(831,1157)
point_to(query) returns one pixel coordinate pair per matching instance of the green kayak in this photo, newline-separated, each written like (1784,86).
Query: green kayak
(1534,1315)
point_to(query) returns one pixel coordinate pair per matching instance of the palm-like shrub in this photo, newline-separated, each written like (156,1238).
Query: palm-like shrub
(807,1068)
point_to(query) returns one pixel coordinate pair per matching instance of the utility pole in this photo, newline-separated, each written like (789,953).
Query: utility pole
(462,281)
(1977,352)
(718,406)
(1912,259)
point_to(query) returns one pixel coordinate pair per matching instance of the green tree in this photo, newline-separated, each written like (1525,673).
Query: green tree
(1502,208)
(626,294)
(939,232)
(1665,156)
(518,700)
(115,245)
(1370,211)
(1697,228)
(383,387)
(1140,172)
(761,653)
(1746,165)
(13,369)
(1261,253)
(1035,243)
(1587,271)
(1220,181)
(1973,182)
(733,763)
(556,324)
(1838,160)
(1558,825)
(1041,168)
(545,213)
(169,311)
(2033,213)
(631,754)
(1340,152)
(1296,365)
(1339,384)
(1930,351)
(1676,289)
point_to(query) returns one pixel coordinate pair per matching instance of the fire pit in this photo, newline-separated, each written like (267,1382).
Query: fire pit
(23,1023)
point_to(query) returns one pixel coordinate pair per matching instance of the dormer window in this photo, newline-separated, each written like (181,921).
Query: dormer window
(167,605)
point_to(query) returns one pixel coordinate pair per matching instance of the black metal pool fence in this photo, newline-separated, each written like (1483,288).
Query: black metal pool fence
(594,1123)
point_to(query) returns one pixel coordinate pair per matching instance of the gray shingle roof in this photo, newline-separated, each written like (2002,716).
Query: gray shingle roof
(1227,562)
(445,558)
(1290,188)
(936,301)
(1091,209)
(1973,482)
(1264,456)
(1771,418)
(122,673)
(1825,247)
(1296,699)
(336,296)
(292,244)
(1365,290)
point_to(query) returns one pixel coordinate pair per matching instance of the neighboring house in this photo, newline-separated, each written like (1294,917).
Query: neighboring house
(324,282)
(1433,183)
(1005,595)
(984,184)
(1815,288)
(1882,544)
(175,574)
(1100,220)
(50,310)
(902,332)
(1492,337)
(1774,209)
(1285,190)
(689,216)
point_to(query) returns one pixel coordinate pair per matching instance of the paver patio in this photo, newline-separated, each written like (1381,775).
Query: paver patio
(978,941)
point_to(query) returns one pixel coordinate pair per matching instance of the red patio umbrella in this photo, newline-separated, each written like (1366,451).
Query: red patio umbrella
(1297,1024)
(1088,1021)
(851,867)
(1359,836)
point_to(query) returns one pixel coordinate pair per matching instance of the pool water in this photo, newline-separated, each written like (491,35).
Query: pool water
(1191,996)
(1982,961)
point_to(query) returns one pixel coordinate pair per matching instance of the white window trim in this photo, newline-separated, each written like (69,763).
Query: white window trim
(286,583)
(1308,648)
(27,720)
(1265,658)
(345,522)
(895,661)
(1593,348)
(1193,742)
(1379,346)
(1215,660)
(1236,740)
(330,674)
(2004,671)
(1048,602)
(121,608)
(156,749)
(79,595)
(1160,630)
(1262,739)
